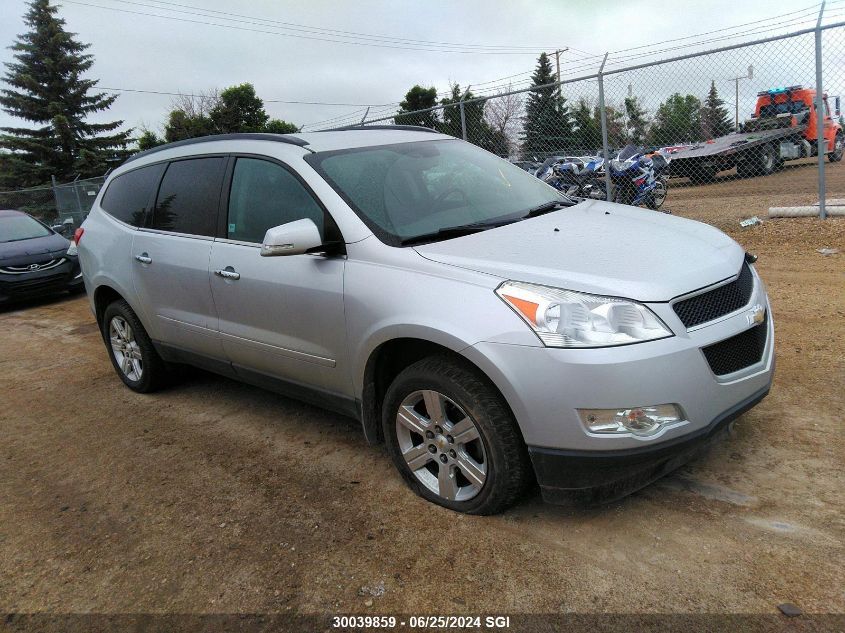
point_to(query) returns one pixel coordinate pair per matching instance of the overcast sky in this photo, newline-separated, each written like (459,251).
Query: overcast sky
(153,53)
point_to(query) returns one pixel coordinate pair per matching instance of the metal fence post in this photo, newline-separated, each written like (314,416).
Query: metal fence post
(463,117)
(820,112)
(605,150)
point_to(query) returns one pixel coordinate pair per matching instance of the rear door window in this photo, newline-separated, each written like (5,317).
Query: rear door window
(189,195)
(130,195)
(264,195)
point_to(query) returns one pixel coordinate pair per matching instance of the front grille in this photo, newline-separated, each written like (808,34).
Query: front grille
(28,268)
(28,286)
(718,302)
(738,352)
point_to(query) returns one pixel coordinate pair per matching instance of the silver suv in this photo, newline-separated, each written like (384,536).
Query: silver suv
(490,331)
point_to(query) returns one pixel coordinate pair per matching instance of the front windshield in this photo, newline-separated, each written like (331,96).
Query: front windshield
(14,228)
(629,151)
(408,190)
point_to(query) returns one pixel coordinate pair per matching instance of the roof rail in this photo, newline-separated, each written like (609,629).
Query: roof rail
(359,126)
(240,136)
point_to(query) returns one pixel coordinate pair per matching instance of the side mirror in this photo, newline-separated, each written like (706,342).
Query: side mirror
(61,229)
(838,111)
(293,238)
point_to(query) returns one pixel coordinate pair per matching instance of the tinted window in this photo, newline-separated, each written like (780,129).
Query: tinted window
(264,195)
(129,195)
(188,197)
(14,228)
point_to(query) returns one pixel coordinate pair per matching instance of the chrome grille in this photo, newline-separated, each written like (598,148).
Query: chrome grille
(35,267)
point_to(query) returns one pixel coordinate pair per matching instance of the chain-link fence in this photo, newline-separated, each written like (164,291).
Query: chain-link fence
(626,131)
(63,203)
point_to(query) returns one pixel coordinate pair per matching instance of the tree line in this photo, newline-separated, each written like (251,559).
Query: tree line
(45,85)
(542,121)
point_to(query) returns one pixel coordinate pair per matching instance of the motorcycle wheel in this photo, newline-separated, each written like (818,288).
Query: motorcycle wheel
(657,196)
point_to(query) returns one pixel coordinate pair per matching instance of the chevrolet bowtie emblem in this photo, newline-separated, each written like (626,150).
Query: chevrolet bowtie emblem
(755,315)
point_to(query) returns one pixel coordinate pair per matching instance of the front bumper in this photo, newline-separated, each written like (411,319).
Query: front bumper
(592,476)
(66,276)
(545,386)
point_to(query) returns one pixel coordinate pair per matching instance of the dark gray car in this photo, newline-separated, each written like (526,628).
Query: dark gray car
(34,259)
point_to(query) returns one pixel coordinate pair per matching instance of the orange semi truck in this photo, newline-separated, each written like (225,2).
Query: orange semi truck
(783,128)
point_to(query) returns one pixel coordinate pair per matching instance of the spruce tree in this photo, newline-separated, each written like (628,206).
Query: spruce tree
(715,120)
(548,128)
(45,86)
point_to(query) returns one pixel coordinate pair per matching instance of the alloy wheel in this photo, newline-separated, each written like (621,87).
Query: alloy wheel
(441,445)
(127,352)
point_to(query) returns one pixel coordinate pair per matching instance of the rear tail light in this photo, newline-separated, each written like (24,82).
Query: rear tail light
(77,235)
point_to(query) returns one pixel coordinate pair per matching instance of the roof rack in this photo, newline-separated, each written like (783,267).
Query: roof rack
(359,126)
(241,136)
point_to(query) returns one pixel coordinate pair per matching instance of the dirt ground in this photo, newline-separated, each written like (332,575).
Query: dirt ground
(218,497)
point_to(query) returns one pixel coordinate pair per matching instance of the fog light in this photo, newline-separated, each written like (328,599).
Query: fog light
(640,421)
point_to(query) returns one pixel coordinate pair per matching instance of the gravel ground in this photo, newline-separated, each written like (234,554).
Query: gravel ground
(218,497)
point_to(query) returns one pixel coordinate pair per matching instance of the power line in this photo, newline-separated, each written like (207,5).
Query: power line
(324,30)
(276,32)
(184,94)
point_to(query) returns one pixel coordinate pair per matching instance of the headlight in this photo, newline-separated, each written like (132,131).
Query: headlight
(565,318)
(71,250)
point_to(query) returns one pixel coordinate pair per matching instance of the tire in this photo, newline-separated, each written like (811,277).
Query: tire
(762,162)
(704,175)
(141,369)
(657,196)
(463,433)
(838,148)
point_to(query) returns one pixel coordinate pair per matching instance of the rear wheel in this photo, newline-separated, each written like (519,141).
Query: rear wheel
(657,196)
(761,162)
(130,349)
(838,148)
(453,439)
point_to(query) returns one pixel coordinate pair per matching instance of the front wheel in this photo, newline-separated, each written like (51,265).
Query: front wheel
(453,439)
(838,149)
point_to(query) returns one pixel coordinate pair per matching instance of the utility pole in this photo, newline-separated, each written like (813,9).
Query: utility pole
(750,75)
(557,63)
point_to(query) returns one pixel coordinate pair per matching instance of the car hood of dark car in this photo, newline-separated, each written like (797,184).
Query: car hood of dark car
(35,250)
(602,248)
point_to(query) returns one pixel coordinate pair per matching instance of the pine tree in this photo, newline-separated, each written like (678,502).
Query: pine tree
(715,120)
(548,128)
(46,87)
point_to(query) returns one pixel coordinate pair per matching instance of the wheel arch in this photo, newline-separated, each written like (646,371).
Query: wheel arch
(104,295)
(387,359)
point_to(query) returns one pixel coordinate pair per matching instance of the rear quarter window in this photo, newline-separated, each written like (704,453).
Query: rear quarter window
(129,196)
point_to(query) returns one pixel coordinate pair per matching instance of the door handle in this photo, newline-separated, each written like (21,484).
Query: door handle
(144,258)
(227,273)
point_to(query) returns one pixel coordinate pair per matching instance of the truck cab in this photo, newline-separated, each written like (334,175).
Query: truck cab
(795,106)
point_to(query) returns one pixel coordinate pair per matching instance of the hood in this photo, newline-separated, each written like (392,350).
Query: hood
(36,249)
(599,247)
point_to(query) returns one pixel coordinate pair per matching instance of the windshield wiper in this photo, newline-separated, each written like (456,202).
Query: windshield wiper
(450,231)
(546,207)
